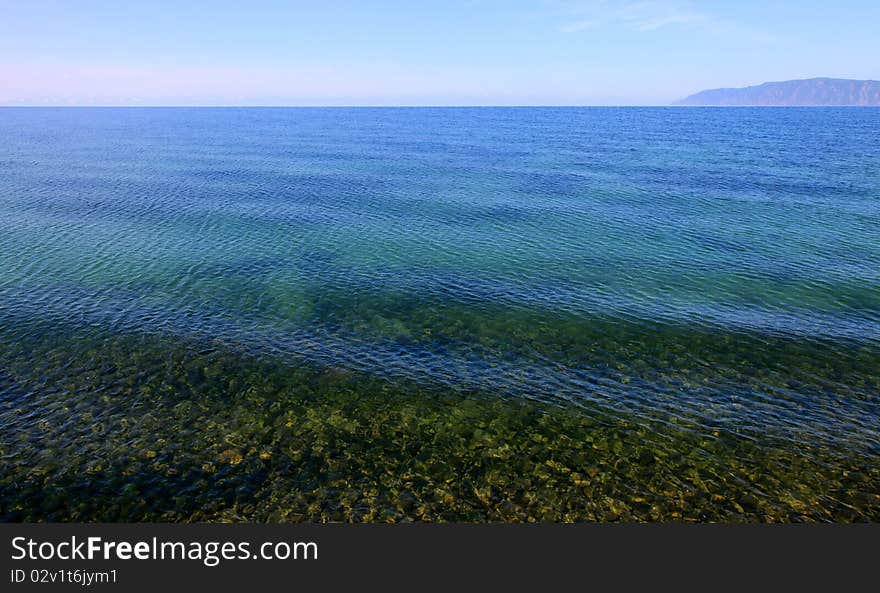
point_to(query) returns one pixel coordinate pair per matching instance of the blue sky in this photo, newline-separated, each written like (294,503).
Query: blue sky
(421,52)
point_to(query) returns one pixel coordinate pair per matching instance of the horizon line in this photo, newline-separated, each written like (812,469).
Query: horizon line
(409,106)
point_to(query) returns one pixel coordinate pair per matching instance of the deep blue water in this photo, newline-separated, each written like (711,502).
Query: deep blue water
(718,265)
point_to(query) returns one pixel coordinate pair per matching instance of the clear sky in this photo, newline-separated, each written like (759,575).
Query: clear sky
(421,52)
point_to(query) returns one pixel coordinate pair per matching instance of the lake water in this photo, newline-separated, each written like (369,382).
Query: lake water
(459,314)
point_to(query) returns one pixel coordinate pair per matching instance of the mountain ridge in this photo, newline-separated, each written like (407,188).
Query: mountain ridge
(804,92)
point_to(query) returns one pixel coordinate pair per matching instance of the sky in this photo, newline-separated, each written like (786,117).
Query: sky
(421,52)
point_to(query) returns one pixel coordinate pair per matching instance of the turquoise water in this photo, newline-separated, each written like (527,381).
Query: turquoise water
(680,306)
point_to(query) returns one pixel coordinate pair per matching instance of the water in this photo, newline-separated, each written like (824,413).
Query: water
(440,314)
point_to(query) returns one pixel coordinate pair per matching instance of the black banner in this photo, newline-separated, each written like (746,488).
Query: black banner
(150,557)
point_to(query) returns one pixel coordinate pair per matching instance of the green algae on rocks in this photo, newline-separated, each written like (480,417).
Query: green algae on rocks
(148,428)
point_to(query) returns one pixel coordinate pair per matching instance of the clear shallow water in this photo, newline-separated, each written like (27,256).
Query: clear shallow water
(680,306)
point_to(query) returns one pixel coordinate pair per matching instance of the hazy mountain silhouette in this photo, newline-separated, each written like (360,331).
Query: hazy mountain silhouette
(815,91)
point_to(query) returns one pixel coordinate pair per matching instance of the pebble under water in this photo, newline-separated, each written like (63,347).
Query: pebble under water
(390,315)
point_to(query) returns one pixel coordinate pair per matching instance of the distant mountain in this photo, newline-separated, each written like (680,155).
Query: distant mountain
(815,91)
